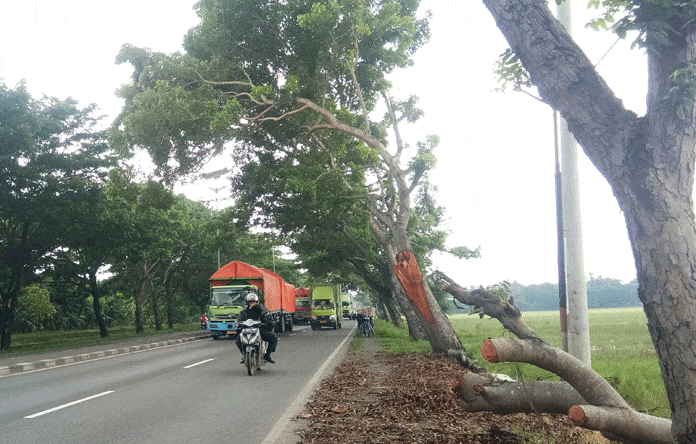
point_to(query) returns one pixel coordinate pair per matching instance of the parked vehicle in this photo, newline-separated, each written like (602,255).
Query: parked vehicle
(365,325)
(252,345)
(303,310)
(230,284)
(347,306)
(326,306)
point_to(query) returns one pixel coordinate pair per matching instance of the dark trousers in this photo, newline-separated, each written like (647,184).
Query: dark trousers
(267,336)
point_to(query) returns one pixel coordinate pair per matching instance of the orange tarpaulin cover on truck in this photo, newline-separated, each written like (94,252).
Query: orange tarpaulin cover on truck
(302,292)
(280,296)
(289,298)
(270,283)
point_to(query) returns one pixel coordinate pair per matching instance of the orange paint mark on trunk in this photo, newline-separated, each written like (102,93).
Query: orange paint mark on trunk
(409,273)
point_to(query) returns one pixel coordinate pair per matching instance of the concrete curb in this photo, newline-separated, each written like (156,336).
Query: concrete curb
(56,362)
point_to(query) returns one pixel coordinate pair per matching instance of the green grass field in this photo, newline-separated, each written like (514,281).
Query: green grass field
(622,351)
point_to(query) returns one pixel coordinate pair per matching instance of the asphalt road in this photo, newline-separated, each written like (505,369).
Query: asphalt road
(186,393)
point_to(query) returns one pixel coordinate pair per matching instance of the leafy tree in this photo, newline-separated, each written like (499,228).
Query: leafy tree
(34,307)
(50,154)
(289,78)
(647,160)
(151,247)
(89,235)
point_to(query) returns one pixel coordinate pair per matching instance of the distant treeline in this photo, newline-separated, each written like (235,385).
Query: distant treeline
(601,293)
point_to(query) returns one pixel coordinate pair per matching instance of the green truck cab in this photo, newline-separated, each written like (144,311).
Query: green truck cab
(225,304)
(326,306)
(347,306)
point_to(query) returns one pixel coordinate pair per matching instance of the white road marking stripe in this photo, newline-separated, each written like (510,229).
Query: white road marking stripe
(199,363)
(67,405)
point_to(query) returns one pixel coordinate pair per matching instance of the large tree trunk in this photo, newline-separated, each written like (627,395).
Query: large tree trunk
(96,304)
(7,318)
(440,333)
(415,328)
(139,298)
(649,163)
(9,301)
(658,208)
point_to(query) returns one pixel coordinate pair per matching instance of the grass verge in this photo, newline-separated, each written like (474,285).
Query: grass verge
(52,341)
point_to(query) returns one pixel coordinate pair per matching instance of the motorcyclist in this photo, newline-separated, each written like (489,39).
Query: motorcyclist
(258,312)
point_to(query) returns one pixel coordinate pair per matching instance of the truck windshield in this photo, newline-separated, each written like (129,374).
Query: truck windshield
(322,304)
(302,304)
(227,296)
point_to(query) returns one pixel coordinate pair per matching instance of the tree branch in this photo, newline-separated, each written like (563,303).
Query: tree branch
(595,116)
(504,311)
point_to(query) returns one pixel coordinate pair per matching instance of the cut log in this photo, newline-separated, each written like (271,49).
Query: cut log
(591,385)
(482,392)
(627,424)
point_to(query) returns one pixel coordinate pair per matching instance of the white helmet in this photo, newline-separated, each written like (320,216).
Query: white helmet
(251,297)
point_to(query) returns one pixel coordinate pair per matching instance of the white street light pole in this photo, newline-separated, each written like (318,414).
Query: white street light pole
(576,284)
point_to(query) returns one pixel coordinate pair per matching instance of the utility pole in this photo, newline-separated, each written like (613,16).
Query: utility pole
(576,284)
(560,235)
(216,190)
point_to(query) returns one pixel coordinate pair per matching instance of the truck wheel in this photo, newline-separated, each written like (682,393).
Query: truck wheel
(215,335)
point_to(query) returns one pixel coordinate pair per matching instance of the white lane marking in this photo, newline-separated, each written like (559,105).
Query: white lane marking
(294,408)
(199,363)
(67,405)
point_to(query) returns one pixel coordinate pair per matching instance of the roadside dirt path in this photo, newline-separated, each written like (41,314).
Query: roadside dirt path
(377,397)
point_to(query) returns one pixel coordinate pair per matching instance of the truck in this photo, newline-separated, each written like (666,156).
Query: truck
(303,310)
(326,306)
(283,316)
(347,306)
(228,288)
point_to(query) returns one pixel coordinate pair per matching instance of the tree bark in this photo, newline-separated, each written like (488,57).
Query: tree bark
(415,328)
(648,162)
(504,311)
(620,421)
(622,424)
(589,384)
(441,335)
(9,300)
(96,303)
(139,298)
(483,392)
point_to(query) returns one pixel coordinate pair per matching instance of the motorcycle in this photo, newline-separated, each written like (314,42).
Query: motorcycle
(252,345)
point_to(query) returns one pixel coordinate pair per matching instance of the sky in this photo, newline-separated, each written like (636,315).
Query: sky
(495,173)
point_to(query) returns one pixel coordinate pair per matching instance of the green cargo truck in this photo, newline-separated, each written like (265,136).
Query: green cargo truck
(326,306)
(347,306)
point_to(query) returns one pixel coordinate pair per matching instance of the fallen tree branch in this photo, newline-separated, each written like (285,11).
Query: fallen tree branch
(484,392)
(623,423)
(504,311)
(604,409)
(590,384)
